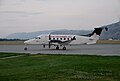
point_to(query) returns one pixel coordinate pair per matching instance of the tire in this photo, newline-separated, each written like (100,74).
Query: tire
(25,49)
(57,48)
(64,48)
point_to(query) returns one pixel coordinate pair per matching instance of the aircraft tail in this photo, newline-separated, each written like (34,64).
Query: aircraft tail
(97,32)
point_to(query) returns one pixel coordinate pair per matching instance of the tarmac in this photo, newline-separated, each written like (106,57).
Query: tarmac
(97,49)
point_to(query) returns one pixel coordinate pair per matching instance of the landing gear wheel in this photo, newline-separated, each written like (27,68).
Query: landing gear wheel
(57,48)
(25,49)
(43,46)
(64,48)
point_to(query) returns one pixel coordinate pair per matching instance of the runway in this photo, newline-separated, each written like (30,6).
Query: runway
(97,49)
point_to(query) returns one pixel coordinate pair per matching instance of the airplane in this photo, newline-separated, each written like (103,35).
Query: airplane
(63,40)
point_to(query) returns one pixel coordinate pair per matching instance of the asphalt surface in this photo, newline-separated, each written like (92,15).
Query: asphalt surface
(97,49)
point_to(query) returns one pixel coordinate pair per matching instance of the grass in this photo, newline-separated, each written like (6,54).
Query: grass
(2,55)
(60,68)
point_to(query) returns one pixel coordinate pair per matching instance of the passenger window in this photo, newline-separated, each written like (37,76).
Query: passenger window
(64,38)
(37,37)
(60,38)
(67,38)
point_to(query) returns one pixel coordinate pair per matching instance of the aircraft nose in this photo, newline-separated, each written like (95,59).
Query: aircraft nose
(30,41)
(26,42)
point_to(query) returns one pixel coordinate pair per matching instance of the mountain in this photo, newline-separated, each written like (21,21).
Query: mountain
(24,35)
(29,35)
(113,32)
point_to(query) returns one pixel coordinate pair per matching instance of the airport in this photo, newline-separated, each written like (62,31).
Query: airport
(98,62)
(95,60)
(97,49)
(59,40)
(60,58)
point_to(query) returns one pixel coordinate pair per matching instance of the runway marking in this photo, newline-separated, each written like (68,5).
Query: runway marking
(12,57)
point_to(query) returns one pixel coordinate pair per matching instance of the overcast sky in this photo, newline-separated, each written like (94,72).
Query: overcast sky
(38,15)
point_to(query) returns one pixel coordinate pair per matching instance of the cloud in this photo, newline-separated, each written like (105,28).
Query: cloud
(21,12)
(41,0)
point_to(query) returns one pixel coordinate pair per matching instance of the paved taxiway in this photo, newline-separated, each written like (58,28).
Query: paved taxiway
(97,49)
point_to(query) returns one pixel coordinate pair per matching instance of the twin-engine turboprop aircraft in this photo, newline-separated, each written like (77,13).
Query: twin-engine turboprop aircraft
(63,40)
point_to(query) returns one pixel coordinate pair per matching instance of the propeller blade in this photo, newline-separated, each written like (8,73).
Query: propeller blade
(49,37)
(74,38)
(49,40)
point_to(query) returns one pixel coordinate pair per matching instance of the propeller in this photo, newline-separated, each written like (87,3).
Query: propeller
(49,40)
(74,38)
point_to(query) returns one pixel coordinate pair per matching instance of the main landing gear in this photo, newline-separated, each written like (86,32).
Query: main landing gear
(57,48)
(25,49)
(64,48)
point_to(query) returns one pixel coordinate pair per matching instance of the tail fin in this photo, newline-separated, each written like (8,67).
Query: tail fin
(97,32)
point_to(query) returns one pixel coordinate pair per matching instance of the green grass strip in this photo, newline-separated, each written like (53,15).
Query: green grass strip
(60,68)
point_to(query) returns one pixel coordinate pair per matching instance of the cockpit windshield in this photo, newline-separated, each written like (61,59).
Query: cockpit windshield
(37,37)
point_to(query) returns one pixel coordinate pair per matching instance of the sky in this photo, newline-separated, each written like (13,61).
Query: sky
(40,15)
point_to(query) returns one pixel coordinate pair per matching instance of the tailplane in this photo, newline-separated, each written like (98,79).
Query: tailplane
(96,33)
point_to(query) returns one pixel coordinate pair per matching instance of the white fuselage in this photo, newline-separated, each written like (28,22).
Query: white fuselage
(44,40)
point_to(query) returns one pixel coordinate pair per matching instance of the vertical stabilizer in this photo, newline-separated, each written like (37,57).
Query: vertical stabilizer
(94,36)
(97,32)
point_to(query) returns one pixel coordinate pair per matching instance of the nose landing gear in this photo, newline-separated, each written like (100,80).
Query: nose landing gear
(25,47)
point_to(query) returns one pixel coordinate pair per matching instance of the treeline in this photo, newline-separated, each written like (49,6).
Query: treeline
(2,39)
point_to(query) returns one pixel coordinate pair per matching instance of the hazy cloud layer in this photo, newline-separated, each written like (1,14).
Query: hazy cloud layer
(21,12)
(37,15)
